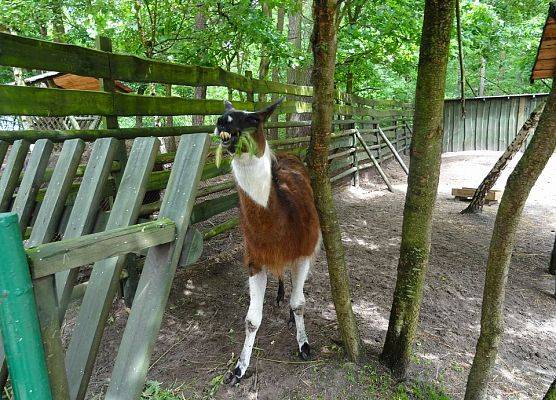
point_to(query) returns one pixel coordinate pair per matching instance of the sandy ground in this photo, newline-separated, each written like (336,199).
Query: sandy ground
(203,325)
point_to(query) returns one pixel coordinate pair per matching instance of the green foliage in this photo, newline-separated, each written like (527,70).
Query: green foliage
(154,391)
(378,40)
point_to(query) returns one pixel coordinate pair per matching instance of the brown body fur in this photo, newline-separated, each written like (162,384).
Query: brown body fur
(288,228)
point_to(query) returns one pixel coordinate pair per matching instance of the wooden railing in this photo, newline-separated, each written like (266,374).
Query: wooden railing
(185,188)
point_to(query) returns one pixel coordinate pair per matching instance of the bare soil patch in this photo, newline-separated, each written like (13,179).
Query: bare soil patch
(203,324)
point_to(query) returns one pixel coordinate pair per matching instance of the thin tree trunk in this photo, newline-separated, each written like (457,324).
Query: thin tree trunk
(551,394)
(426,148)
(273,132)
(482,77)
(200,91)
(264,64)
(517,190)
(478,200)
(295,74)
(324,54)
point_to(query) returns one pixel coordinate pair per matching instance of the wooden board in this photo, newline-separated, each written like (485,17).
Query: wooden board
(545,62)
(468,193)
(83,215)
(9,178)
(32,180)
(132,362)
(105,275)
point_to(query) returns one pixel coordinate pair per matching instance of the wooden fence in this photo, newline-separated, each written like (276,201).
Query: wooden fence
(490,123)
(99,207)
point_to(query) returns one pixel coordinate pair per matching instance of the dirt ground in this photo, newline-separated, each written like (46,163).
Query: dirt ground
(203,325)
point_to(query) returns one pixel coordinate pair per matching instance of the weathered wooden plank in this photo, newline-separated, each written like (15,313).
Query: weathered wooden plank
(192,247)
(54,257)
(52,207)
(45,289)
(18,51)
(375,162)
(83,215)
(209,208)
(394,151)
(59,102)
(142,327)
(32,180)
(14,165)
(104,279)
(53,102)
(130,133)
(43,231)
(479,124)
(3,150)
(469,125)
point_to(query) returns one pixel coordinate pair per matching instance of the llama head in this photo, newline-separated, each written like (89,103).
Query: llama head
(234,123)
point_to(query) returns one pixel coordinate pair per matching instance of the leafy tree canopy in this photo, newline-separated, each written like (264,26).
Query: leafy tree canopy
(378,40)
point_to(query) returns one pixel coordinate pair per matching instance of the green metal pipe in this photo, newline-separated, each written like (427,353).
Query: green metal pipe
(18,317)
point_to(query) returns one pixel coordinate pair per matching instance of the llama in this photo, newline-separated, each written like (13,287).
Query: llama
(279,223)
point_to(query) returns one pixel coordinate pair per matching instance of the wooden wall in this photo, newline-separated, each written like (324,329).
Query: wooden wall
(490,123)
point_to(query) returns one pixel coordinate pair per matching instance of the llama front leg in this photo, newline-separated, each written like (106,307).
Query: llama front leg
(257,287)
(297,306)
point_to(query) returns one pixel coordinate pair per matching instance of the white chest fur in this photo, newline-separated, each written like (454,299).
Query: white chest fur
(254,175)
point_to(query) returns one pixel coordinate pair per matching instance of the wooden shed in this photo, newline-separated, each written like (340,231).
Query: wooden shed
(60,80)
(71,81)
(545,63)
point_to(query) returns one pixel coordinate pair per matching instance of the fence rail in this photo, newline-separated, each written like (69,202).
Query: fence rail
(120,201)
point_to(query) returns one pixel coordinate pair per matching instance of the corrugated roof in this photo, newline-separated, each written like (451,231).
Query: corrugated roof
(545,63)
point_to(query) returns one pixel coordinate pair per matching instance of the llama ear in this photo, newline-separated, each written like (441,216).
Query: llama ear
(267,112)
(228,106)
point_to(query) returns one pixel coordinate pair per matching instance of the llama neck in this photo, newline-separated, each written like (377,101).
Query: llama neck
(254,175)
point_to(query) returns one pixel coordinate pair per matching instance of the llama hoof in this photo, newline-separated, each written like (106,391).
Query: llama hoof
(233,378)
(291,320)
(305,352)
(281,292)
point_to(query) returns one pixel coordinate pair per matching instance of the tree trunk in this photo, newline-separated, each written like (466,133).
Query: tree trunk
(296,75)
(482,77)
(273,132)
(58,29)
(478,200)
(551,394)
(324,54)
(264,64)
(200,91)
(426,148)
(517,190)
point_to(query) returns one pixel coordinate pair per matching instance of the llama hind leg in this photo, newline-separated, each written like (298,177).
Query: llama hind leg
(257,287)
(297,306)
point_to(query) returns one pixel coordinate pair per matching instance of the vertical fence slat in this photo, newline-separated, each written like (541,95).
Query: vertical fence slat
(105,276)
(3,150)
(32,180)
(14,165)
(142,327)
(82,217)
(45,289)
